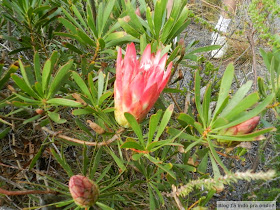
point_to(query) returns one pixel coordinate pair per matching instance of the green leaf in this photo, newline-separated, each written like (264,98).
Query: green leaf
(56,117)
(197,96)
(60,76)
(185,120)
(46,75)
(245,104)
(182,135)
(24,87)
(237,98)
(165,119)
(159,164)
(82,85)
(118,161)
(160,8)
(36,117)
(135,127)
(23,73)
(4,132)
(73,48)
(95,162)
(85,38)
(78,15)
(64,102)
(62,162)
(215,167)
(216,157)
(246,137)
(206,104)
(104,97)
(106,14)
(100,84)
(225,87)
(203,164)
(37,67)
(7,74)
(133,145)
(104,172)
(103,206)
(38,155)
(154,120)
(152,199)
(129,29)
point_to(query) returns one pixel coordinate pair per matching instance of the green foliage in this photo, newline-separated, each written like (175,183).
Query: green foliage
(61,101)
(262,13)
(33,20)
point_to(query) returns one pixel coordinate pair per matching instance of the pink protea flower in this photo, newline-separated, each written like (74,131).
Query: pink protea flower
(243,128)
(138,82)
(83,190)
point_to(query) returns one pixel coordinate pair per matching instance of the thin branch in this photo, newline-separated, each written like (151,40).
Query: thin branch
(98,144)
(25,192)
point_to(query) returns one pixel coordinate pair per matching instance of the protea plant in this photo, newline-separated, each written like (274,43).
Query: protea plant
(83,190)
(138,82)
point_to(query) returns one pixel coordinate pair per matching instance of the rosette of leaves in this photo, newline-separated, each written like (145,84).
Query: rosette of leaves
(96,95)
(207,126)
(96,32)
(41,88)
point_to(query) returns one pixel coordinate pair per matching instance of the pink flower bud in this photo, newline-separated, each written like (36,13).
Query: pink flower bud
(243,128)
(83,190)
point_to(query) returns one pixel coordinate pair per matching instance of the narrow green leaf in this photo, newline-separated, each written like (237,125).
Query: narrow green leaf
(154,120)
(37,68)
(135,127)
(238,96)
(6,76)
(63,163)
(106,14)
(133,145)
(165,119)
(60,76)
(78,15)
(206,104)
(100,84)
(24,87)
(64,102)
(23,73)
(118,161)
(82,85)
(216,157)
(46,75)
(225,87)
(160,7)
(104,172)
(197,96)
(215,167)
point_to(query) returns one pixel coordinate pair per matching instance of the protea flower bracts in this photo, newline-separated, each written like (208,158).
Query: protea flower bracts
(138,82)
(243,128)
(83,190)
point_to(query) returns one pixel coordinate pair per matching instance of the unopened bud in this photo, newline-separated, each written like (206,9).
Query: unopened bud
(243,128)
(83,190)
(39,111)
